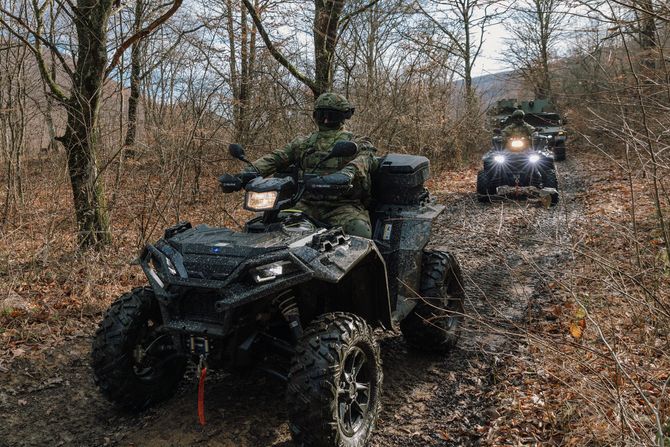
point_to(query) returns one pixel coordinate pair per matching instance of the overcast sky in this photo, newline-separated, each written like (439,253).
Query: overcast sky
(489,59)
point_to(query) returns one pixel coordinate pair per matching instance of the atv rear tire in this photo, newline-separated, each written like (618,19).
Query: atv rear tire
(132,364)
(335,383)
(482,187)
(550,181)
(435,323)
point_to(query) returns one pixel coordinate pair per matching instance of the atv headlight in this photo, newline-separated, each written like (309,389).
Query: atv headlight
(499,159)
(261,201)
(534,158)
(516,144)
(268,272)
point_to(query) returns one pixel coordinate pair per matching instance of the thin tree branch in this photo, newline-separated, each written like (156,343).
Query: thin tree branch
(300,76)
(142,34)
(55,88)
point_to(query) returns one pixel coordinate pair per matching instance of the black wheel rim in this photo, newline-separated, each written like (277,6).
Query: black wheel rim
(354,391)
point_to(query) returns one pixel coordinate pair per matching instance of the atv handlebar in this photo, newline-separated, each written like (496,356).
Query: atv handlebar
(271,195)
(233,183)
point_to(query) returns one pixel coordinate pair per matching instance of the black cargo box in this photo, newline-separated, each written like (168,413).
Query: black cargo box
(400,178)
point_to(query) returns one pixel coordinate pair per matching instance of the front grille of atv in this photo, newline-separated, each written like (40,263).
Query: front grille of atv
(199,308)
(210,267)
(510,176)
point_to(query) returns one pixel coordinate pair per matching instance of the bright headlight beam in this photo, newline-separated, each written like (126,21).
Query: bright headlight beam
(499,158)
(516,144)
(534,158)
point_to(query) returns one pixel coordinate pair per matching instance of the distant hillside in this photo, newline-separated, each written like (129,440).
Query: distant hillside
(491,87)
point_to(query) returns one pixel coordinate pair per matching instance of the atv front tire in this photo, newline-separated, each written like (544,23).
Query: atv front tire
(133,365)
(482,187)
(335,383)
(550,181)
(435,322)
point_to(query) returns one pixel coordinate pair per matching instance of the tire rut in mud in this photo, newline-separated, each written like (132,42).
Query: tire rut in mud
(507,250)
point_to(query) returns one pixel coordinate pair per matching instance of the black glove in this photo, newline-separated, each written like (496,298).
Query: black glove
(246,177)
(337,181)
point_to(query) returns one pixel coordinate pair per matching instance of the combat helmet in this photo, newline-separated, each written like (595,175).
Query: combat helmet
(518,115)
(331,110)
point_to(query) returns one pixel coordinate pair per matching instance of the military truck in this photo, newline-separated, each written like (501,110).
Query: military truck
(540,113)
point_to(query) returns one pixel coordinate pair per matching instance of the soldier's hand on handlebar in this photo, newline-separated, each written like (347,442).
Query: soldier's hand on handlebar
(235,182)
(337,181)
(230,183)
(245,177)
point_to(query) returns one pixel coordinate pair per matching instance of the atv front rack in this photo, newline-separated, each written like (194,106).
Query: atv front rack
(542,195)
(165,272)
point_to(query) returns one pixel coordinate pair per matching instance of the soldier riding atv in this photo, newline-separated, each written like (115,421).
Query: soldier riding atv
(518,164)
(290,293)
(541,114)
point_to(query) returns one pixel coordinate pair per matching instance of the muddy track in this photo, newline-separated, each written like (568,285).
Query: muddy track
(508,251)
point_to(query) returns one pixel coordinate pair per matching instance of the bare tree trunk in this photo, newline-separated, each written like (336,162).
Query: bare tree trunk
(53,143)
(80,138)
(135,72)
(543,17)
(327,15)
(647,33)
(13,97)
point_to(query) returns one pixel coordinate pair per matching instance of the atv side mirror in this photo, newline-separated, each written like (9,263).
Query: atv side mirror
(236,151)
(343,149)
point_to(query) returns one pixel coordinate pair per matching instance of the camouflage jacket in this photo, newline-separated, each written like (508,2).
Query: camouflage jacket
(518,130)
(359,167)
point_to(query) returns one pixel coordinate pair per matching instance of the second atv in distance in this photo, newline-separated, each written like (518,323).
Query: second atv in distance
(541,114)
(518,167)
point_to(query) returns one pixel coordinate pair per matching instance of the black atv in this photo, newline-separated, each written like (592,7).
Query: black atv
(518,167)
(551,126)
(291,296)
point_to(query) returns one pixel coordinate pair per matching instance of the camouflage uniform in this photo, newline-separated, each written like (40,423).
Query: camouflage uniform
(519,128)
(347,210)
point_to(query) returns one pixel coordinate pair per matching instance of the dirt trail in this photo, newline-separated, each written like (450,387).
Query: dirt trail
(506,250)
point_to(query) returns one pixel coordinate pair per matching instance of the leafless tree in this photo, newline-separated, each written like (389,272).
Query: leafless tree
(13,118)
(81,99)
(459,28)
(331,17)
(535,27)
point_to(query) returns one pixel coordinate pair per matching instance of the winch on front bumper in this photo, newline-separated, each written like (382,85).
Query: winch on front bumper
(542,195)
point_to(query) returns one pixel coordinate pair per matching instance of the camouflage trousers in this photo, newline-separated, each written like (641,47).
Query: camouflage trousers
(354,219)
